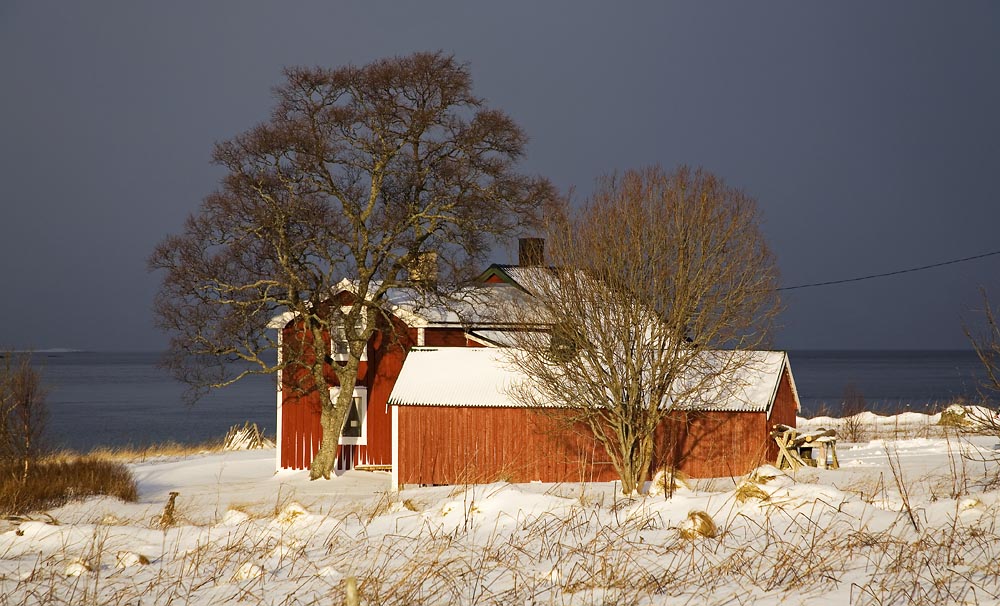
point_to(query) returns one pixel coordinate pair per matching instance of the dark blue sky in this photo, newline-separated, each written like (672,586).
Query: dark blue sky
(869,133)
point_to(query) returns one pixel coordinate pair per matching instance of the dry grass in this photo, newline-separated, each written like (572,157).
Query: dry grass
(954,417)
(619,552)
(698,524)
(584,555)
(54,482)
(748,490)
(137,454)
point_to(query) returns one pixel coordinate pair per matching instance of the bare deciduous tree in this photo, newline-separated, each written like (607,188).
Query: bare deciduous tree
(658,288)
(23,413)
(359,173)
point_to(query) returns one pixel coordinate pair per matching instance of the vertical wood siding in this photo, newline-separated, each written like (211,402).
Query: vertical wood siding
(711,444)
(714,444)
(453,445)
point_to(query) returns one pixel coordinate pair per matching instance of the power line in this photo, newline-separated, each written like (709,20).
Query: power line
(891,273)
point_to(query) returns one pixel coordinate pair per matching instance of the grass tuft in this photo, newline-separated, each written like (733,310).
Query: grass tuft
(750,490)
(698,524)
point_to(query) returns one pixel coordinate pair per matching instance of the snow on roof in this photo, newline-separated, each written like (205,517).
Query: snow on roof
(750,388)
(475,305)
(456,376)
(466,376)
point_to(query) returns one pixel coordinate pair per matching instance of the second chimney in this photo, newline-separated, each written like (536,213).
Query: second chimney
(530,252)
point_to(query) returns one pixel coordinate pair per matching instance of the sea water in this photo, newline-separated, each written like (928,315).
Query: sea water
(126,399)
(118,399)
(889,381)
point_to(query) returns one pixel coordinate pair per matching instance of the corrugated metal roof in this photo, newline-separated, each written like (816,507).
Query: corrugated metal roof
(476,305)
(455,376)
(750,388)
(461,376)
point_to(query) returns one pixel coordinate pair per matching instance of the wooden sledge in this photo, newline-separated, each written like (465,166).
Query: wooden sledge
(795,449)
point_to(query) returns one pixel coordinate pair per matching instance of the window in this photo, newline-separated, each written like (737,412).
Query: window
(339,345)
(355,430)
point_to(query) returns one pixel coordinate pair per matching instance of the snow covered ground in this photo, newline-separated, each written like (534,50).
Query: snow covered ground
(906,520)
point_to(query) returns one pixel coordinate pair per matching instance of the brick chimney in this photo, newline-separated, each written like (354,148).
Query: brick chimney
(531,252)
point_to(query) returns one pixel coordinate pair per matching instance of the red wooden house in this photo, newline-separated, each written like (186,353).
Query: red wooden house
(366,441)
(459,427)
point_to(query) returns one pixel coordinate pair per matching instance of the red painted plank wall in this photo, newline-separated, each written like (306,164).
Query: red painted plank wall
(452,445)
(714,444)
(300,411)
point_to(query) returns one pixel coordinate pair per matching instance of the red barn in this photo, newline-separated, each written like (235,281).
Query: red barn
(454,422)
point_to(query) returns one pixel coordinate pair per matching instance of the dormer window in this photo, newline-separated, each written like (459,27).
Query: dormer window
(339,346)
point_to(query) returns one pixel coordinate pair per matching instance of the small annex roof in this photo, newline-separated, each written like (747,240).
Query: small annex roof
(483,377)
(456,376)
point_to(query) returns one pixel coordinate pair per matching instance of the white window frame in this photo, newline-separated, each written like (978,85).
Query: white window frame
(362,393)
(342,356)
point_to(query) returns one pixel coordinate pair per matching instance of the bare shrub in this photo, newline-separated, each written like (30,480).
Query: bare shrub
(852,422)
(54,483)
(987,345)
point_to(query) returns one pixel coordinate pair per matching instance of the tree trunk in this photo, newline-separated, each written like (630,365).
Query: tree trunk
(629,470)
(326,457)
(635,463)
(331,419)
(645,460)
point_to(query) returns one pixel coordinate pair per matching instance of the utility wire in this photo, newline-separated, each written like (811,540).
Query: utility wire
(890,273)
